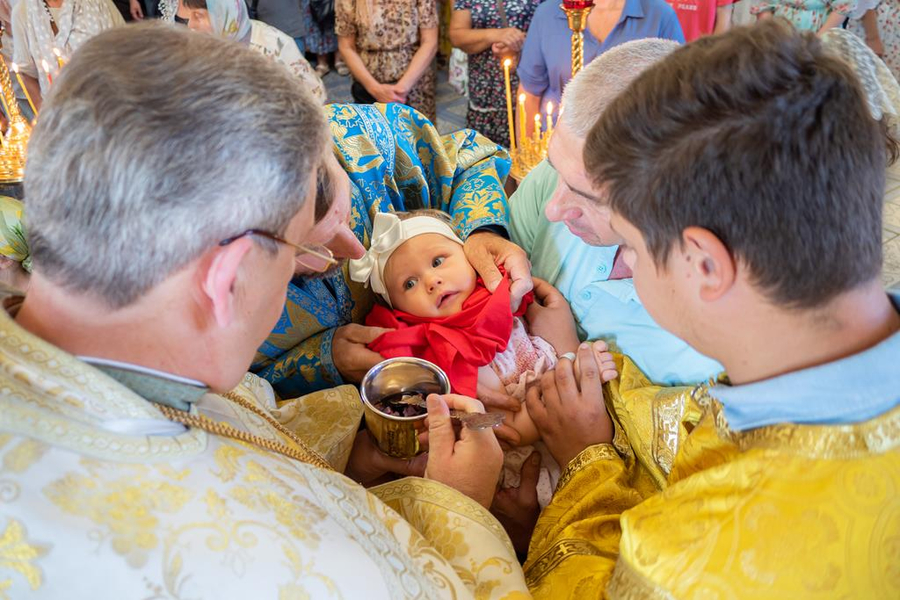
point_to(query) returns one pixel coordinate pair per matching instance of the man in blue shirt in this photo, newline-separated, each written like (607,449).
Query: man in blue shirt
(554,217)
(545,66)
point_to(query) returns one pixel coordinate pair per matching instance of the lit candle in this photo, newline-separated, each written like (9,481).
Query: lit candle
(507,63)
(536,134)
(15,69)
(59,58)
(46,68)
(549,118)
(522,126)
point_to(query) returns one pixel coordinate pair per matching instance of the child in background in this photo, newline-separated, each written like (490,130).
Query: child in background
(440,311)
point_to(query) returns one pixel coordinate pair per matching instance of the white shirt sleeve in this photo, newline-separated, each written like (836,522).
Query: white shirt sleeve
(21,51)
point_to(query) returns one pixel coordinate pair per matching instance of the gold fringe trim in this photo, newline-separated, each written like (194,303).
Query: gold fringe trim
(302,453)
(587,456)
(559,552)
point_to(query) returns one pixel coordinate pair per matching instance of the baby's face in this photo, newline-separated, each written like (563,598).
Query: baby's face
(429,276)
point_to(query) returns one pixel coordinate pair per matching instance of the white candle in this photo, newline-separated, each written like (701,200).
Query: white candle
(507,63)
(46,68)
(549,118)
(15,69)
(522,125)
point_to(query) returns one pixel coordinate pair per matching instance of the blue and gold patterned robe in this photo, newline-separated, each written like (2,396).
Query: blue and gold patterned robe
(396,160)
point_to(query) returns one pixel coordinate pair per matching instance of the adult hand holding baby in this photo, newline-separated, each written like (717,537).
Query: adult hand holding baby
(470,464)
(485,250)
(367,463)
(349,350)
(550,317)
(569,411)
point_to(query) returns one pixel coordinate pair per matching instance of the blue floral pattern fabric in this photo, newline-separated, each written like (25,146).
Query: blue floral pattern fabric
(396,161)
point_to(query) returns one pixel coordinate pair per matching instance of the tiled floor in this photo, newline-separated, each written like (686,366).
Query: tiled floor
(452,116)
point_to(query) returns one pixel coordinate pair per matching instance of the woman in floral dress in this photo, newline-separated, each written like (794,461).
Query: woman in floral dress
(885,39)
(389,46)
(321,41)
(807,15)
(477,27)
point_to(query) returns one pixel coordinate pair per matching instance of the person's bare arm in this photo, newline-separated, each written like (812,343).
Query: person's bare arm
(382,93)
(834,19)
(421,60)
(137,13)
(723,18)
(873,36)
(473,41)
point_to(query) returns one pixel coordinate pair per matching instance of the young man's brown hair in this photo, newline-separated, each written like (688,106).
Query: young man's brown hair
(763,138)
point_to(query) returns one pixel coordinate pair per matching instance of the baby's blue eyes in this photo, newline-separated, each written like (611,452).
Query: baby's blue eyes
(411,282)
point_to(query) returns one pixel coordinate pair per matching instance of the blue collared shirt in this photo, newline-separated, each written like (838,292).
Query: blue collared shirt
(603,309)
(849,390)
(546,62)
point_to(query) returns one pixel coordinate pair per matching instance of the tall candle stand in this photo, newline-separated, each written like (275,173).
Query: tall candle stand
(15,141)
(526,151)
(577,12)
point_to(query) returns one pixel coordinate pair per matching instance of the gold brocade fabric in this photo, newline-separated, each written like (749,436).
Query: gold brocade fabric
(786,511)
(88,509)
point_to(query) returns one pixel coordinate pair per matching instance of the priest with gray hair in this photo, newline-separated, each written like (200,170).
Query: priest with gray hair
(170,185)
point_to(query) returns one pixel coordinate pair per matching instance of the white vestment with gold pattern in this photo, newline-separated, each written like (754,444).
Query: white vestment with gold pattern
(92,506)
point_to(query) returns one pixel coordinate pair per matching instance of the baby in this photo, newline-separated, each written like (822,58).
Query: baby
(442,312)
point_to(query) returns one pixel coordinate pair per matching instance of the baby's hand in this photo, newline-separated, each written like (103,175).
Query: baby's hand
(604,359)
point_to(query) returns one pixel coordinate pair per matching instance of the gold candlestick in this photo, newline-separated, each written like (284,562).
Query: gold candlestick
(15,142)
(522,126)
(577,12)
(507,63)
(15,69)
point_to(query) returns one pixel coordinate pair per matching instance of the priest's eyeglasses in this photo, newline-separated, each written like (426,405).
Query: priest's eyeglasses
(315,258)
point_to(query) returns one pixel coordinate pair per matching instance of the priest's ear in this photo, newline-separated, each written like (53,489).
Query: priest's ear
(218,281)
(710,263)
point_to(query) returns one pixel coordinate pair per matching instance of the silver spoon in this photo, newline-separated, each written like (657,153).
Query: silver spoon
(470,420)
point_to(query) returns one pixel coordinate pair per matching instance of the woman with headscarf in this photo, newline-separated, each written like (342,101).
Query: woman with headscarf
(389,47)
(41,27)
(229,18)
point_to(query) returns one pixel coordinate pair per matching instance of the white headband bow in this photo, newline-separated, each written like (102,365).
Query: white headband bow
(388,233)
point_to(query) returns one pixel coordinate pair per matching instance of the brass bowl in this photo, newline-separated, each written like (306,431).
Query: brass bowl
(397,436)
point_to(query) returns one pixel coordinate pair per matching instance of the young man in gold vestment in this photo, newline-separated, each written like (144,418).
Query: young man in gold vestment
(746,176)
